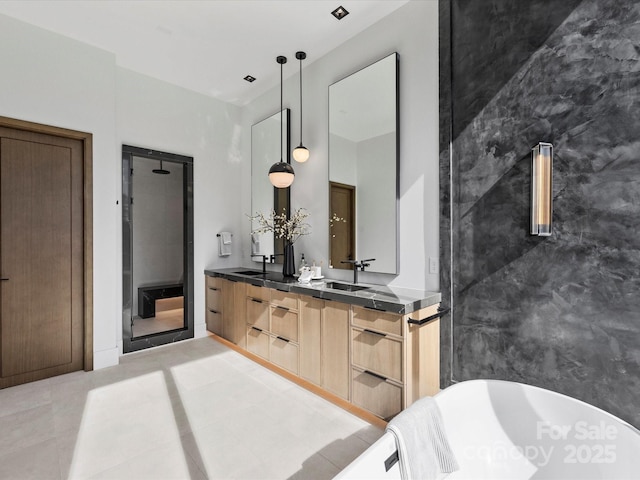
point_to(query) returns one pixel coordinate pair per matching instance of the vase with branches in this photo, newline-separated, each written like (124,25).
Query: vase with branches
(287,228)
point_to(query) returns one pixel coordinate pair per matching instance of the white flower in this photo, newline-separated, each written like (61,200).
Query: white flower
(282,227)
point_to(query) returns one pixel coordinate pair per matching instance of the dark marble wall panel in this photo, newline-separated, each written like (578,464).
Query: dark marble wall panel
(446,324)
(561,312)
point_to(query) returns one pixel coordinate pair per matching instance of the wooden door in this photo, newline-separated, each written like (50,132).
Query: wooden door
(342,215)
(41,256)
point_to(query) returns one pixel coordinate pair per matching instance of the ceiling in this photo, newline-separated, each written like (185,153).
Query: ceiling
(207,46)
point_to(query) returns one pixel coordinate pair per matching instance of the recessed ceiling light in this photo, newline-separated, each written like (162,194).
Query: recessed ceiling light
(250,79)
(340,12)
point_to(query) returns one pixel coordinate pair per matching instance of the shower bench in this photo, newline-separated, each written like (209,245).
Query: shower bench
(148,295)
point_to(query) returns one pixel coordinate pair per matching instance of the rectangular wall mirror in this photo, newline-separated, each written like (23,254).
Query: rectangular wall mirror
(265,151)
(364,167)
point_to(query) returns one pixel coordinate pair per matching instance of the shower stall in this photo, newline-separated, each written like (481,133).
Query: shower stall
(157,214)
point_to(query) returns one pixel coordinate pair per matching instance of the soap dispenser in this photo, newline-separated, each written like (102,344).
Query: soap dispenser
(303,263)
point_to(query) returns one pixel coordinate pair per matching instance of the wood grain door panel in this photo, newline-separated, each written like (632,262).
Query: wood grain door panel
(41,253)
(342,234)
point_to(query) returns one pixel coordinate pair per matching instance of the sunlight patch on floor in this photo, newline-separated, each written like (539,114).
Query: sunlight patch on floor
(126,420)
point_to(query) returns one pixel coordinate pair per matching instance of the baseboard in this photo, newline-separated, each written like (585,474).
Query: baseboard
(200,330)
(106,358)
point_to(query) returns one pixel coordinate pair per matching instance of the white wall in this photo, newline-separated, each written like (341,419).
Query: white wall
(157,115)
(412,31)
(50,79)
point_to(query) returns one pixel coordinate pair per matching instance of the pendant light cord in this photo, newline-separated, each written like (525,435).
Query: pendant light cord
(281,113)
(300,100)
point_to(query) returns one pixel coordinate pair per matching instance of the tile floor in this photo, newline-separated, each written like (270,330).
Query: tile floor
(194,409)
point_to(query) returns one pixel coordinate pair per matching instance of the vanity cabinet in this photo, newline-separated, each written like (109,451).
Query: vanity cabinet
(374,359)
(324,344)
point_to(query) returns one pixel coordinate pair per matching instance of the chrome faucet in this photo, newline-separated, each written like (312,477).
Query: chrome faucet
(358,264)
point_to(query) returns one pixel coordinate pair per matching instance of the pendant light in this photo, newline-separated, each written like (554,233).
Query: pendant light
(300,153)
(281,174)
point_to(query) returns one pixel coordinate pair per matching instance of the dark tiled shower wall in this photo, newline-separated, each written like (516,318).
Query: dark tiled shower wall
(560,312)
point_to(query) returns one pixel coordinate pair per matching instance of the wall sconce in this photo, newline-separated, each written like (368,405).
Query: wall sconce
(281,174)
(301,153)
(541,189)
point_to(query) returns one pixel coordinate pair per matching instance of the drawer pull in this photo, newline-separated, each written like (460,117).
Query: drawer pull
(215,289)
(283,339)
(256,328)
(374,333)
(282,308)
(284,291)
(256,300)
(213,311)
(384,379)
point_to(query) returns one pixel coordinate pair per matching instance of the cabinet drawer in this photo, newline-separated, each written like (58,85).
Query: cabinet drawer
(214,298)
(284,323)
(284,299)
(259,293)
(214,282)
(258,313)
(375,394)
(284,354)
(214,321)
(376,320)
(258,342)
(376,352)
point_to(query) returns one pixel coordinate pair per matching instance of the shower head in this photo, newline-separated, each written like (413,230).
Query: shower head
(161,171)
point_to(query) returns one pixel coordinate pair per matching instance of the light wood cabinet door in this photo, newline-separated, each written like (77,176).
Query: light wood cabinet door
(227,309)
(378,353)
(215,305)
(376,394)
(310,334)
(258,342)
(284,353)
(284,323)
(377,320)
(284,299)
(239,314)
(257,313)
(214,321)
(335,348)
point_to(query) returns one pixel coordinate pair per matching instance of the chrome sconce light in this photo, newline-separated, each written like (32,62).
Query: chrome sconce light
(541,189)
(301,153)
(281,174)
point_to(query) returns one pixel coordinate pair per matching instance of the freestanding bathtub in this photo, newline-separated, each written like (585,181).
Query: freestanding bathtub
(507,430)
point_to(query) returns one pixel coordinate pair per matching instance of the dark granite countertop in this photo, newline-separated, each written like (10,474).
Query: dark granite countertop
(381,297)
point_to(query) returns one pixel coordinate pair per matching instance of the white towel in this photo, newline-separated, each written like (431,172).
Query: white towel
(255,244)
(423,449)
(224,241)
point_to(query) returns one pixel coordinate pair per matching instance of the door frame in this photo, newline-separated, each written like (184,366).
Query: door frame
(129,342)
(87,207)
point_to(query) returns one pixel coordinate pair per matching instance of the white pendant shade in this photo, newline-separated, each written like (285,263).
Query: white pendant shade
(300,154)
